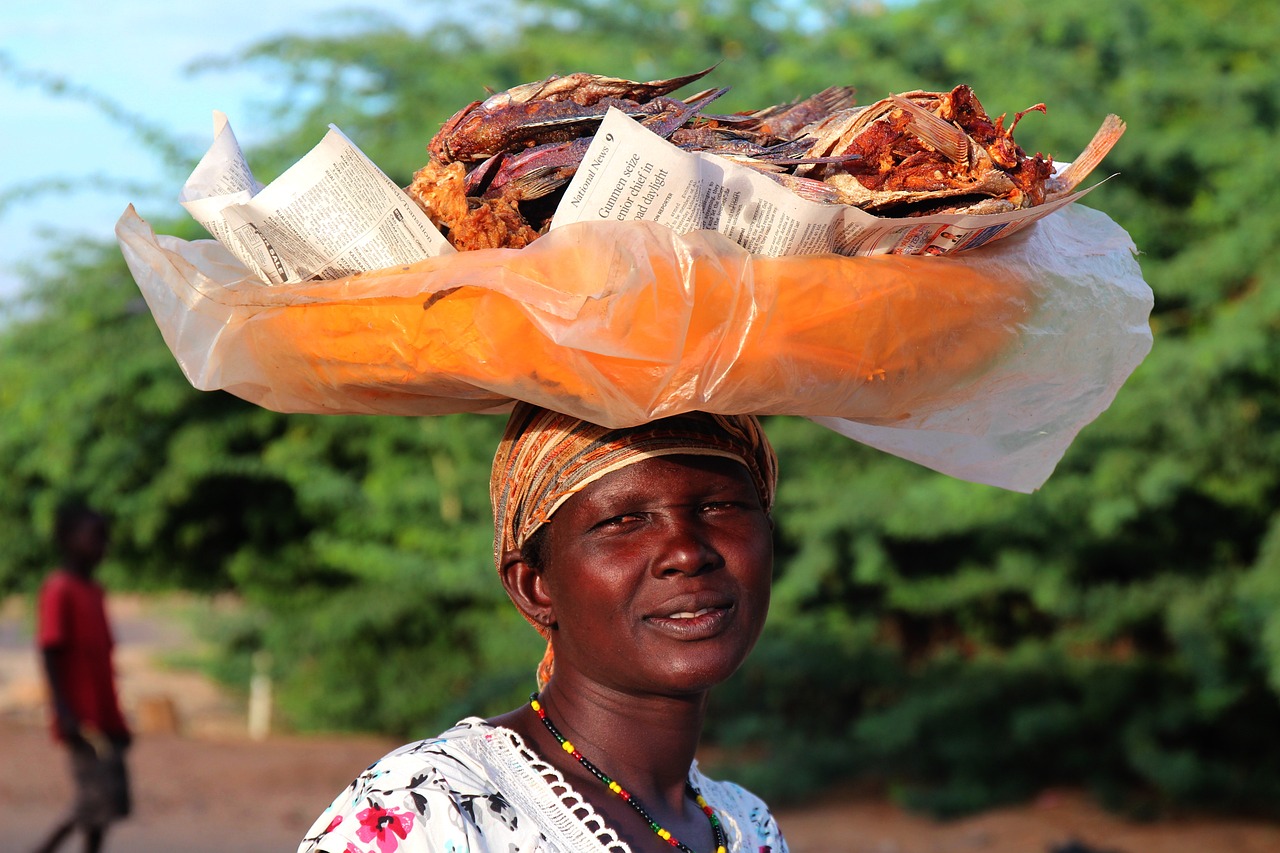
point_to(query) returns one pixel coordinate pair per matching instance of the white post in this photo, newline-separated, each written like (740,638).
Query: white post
(260,697)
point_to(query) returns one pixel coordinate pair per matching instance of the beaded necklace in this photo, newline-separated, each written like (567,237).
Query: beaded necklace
(622,792)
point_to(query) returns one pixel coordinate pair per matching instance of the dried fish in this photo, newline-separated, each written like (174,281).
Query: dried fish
(920,149)
(498,165)
(553,110)
(786,121)
(542,170)
(588,89)
(538,171)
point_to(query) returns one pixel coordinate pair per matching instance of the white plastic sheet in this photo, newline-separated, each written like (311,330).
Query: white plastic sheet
(983,365)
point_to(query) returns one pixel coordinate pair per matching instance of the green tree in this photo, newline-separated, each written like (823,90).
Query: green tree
(1118,627)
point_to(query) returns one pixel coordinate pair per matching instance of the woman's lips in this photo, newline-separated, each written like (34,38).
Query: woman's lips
(697,624)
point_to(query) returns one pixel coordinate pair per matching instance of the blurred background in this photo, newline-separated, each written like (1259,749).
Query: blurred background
(1093,661)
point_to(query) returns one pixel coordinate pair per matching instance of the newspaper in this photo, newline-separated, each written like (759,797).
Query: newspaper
(331,214)
(334,212)
(631,173)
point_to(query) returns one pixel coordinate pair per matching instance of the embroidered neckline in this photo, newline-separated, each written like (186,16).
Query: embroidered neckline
(528,765)
(578,817)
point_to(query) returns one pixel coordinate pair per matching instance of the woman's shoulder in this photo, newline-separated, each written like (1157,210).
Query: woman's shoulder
(457,754)
(746,818)
(414,798)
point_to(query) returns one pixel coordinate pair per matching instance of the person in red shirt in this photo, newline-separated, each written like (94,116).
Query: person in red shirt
(75,641)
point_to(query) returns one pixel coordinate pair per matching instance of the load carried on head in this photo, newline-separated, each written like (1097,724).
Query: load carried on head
(642,256)
(501,166)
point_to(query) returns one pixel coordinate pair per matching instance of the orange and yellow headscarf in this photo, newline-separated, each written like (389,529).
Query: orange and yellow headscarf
(546,457)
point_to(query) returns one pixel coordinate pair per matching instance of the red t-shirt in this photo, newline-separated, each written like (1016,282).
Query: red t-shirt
(73,618)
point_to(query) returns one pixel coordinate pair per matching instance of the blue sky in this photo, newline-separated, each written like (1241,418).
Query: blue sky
(134,52)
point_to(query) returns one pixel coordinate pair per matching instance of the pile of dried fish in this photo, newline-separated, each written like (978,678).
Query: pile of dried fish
(499,166)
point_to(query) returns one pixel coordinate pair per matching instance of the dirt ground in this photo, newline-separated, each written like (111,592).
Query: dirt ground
(202,785)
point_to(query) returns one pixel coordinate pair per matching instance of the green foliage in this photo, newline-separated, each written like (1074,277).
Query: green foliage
(1119,629)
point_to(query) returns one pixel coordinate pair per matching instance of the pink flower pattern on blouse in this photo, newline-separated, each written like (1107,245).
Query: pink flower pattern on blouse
(387,826)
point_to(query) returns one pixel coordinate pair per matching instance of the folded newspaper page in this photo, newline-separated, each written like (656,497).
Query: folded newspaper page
(221,178)
(631,173)
(331,214)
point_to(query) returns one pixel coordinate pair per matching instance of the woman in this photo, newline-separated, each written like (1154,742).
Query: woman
(644,556)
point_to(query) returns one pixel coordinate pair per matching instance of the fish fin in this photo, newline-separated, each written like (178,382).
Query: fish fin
(535,183)
(1108,134)
(945,138)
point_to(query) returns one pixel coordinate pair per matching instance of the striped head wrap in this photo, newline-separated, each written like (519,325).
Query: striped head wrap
(546,457)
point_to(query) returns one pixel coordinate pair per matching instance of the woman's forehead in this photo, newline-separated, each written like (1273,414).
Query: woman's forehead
(671,470)
(674,473)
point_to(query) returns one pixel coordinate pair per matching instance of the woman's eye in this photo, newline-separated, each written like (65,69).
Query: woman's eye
(620,520)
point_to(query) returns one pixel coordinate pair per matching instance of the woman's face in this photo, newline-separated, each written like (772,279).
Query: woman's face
(658,575)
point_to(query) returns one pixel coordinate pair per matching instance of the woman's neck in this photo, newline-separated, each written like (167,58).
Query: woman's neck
(646,743)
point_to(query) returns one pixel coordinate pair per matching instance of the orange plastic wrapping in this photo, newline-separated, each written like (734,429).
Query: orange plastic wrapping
(983,365)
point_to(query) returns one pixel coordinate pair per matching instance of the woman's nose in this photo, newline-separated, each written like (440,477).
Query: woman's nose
(684,547)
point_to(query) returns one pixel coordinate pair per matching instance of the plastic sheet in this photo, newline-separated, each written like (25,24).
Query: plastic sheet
(983,365)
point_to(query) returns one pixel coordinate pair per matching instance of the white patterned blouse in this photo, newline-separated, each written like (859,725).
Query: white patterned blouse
(478,789)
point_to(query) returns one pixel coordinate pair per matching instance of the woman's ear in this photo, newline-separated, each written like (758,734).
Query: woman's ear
(527,589)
